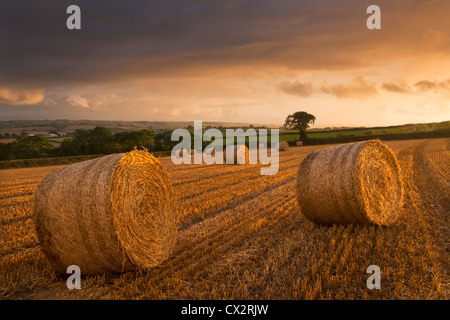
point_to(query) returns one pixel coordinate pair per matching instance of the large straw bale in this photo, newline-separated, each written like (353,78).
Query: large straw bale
(351,183)
(111,214)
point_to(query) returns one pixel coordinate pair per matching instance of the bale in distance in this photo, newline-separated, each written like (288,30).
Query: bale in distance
(183,153)
(299,143)
(210,151)
(240,153)
(111,214)
(351,183)
(283,146)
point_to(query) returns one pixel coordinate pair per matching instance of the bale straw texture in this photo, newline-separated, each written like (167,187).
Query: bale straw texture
(283,146)
(111,214)
(240,153)
(351,183)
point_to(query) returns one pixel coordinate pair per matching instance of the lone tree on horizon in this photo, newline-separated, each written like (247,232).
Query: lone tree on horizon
(300,120)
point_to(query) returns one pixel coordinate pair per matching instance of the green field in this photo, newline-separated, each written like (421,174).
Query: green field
(408,131)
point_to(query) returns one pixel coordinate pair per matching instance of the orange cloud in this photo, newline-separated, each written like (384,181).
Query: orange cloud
(297,88)
(21,97)
(78,101)
(397,87)
(427,85)
(359,88)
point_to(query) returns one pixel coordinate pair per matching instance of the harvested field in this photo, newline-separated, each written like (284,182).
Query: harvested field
(242,236)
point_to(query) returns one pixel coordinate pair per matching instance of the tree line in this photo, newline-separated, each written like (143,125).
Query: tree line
(99,140)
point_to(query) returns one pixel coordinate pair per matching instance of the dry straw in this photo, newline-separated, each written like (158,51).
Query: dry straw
(283,146)
(351,183)
(299,143)
(111,214)
(240,154)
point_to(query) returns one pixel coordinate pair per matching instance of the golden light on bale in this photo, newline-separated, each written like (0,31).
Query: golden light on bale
(240,154)
(351,183)
(283,146)
(111,214)
(299,143)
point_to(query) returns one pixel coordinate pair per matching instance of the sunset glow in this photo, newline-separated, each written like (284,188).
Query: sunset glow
(237,61)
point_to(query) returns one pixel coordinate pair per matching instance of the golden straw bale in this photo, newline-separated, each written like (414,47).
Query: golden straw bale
(351,183)
(299,143)
(240,153)
(283,146)
(111,214)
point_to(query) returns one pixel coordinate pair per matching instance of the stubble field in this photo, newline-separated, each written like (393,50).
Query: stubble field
(243,237)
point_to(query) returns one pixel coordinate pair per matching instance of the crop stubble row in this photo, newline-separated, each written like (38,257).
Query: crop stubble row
(242,237)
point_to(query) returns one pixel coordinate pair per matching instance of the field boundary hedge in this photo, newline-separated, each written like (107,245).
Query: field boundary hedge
(43,162)
(445,133)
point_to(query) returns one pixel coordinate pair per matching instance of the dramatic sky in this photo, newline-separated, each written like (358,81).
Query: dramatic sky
(226,60)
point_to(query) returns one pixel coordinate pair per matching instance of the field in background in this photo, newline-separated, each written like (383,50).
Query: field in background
(243,237)
(69,126)
(344,135)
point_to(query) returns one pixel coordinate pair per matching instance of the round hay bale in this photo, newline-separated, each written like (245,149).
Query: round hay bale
(283,146)
(111,214)
(240,153)
(182,153)
(299,143)
(351,183)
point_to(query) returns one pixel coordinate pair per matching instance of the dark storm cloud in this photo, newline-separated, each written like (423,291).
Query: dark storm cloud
(165,56)
(123,40)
